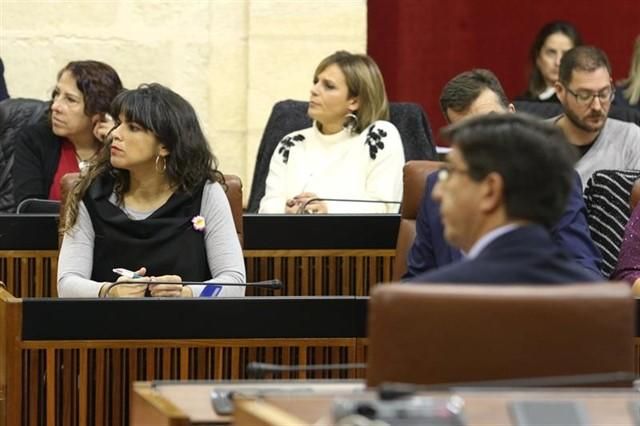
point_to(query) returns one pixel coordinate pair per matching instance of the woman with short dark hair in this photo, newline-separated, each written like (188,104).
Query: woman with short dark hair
(552,41)
(153,203)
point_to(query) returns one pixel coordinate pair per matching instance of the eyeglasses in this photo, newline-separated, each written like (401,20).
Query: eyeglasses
(585,98)
(445,172)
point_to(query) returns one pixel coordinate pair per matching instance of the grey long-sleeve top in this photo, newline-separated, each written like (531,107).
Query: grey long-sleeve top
(224,254)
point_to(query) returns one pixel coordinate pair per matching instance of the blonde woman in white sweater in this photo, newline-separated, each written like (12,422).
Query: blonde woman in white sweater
(351,152)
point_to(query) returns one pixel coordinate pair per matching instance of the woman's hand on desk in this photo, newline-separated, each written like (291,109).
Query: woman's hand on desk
(126,290)
(291,206)
(303,200)
(158,289)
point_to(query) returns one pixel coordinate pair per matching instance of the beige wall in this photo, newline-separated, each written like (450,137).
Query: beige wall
(232,59)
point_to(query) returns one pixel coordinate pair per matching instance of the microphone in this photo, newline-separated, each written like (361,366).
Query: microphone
(303,207)
(258,370)
(274,284)
(391,390)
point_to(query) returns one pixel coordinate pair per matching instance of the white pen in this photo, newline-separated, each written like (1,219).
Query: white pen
(126,273)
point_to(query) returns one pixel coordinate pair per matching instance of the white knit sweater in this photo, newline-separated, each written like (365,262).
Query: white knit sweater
(365,166)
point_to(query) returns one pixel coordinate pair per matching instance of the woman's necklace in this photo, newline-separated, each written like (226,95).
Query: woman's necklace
(83,164)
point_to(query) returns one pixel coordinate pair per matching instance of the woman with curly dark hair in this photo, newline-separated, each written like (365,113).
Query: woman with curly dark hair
(152,203)
(72,136)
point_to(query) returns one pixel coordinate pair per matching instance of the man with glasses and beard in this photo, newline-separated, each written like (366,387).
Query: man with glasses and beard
(585,90)
(474,93)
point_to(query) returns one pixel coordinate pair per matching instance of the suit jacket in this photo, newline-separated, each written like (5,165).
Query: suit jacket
(430,249)
(526,255)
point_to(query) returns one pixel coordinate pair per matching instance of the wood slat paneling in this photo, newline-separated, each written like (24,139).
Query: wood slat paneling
(319,272)
(91,385)
(29,273)
(304,272)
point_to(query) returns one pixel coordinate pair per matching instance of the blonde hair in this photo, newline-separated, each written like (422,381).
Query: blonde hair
(364,80)
(632,93)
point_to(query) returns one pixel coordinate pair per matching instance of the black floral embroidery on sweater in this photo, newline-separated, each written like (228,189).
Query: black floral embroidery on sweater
(287,143)
(374,140)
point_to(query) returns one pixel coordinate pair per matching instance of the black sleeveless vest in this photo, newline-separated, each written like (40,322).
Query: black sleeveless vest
(165,242)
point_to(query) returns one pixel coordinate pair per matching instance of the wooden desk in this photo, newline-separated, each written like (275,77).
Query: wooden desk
(481,407)
(184,403)
(320,255)
(29,254)
(72,361)
(324,255)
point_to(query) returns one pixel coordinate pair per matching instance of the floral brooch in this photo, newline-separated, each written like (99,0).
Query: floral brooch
(198,223)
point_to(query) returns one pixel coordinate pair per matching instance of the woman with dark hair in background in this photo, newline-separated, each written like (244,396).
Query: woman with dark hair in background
(350,153)
(152,203)
(628,90)
(71,138)
(552,41)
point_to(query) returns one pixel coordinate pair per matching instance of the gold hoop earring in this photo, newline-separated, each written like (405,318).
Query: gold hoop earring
(350,122)
(164,164)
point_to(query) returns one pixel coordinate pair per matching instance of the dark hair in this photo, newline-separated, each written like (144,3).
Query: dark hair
(537,84)
(534,159)
(463,89)
(175,123)
(582,58)
(98,82)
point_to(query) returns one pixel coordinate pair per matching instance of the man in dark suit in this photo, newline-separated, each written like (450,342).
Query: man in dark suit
(473,93)
(504,184)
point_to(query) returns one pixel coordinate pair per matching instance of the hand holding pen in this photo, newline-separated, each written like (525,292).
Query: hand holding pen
(154,284)
(129,290)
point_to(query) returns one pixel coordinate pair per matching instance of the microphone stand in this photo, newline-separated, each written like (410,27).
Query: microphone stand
(274,284)
(391,390)
(303,207)
(258,370)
